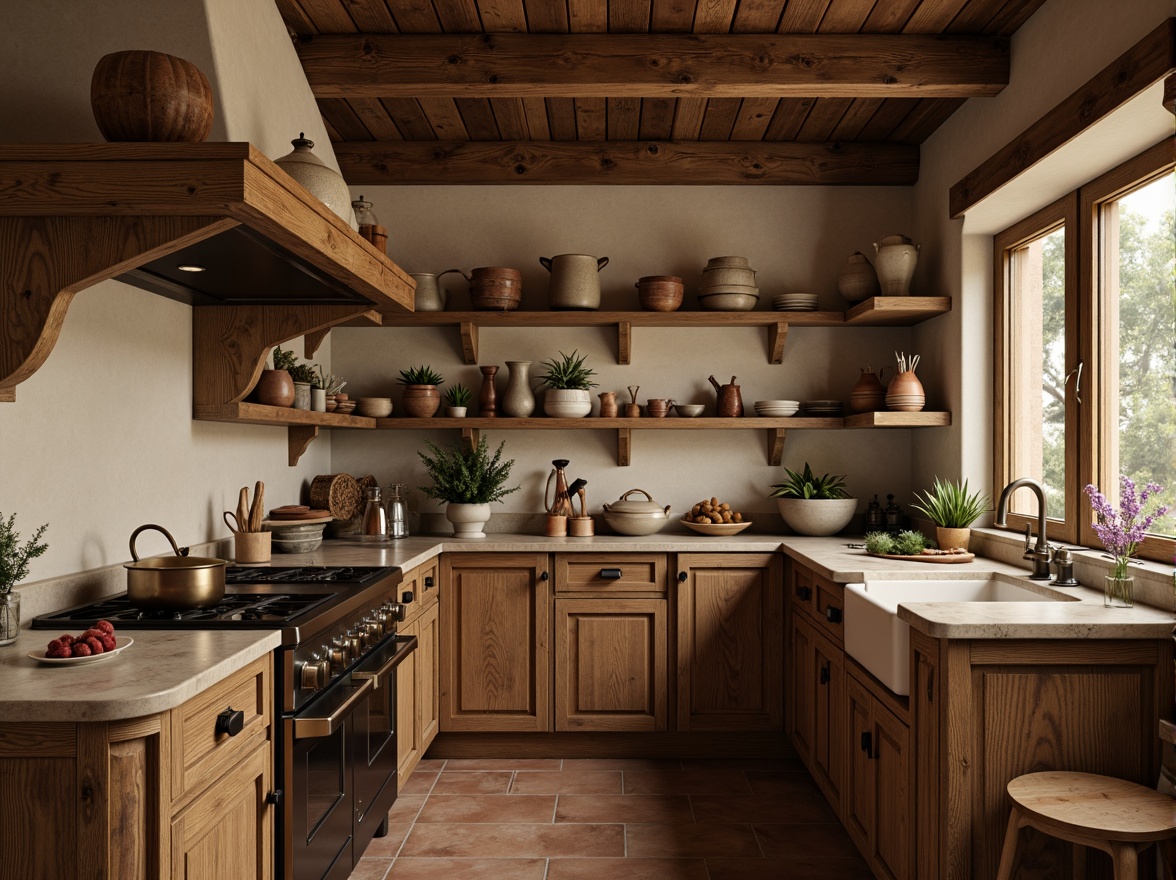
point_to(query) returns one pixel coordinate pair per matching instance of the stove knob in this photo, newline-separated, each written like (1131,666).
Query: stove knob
(355,643)
(340,654)
(315,673)
(372,633)
(399,612)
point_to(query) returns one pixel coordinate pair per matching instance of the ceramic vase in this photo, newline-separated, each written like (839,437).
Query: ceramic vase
(488,399)
(318,178)
(895,264)
(567,403)
(858,281)
(869,394)
(421,401)
(519,400)
(468,519)
(275,388)
(302,395)
(1118,592)
(608,404)
(9,617)
(318,400)
(905,393)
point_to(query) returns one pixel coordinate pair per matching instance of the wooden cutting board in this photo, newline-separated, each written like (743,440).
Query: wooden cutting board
(941,560)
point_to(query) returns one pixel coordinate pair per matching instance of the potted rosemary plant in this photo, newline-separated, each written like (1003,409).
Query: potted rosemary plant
(953,509)
(568,383)
(14,568)
(275,387)
(457,401)
(813,505)
(421,397)
(304,377)
(468,480)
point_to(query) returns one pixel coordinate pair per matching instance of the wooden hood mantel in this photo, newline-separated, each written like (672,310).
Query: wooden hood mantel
(72,215)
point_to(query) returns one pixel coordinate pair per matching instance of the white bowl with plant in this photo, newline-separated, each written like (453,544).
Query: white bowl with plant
(457,401)
(469,481)
(812,505)
(569,383)
(14,568)
(953,507)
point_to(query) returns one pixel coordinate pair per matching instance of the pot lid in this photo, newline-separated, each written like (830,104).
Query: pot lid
(648,507)
(894,239)
(175,563)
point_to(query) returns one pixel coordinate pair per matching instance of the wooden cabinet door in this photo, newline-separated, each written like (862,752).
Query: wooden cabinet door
(858,805)
(893,846)
(610,664)
(730,642)
(427,692)
(827,668)
(802,705)
(228,830)
(926,689)
(495,620)
(408,731)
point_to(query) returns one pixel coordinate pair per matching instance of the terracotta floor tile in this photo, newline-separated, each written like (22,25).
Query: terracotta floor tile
(468,869)
(504,764)
(406,808)
(420,782)
(371,869)
(689,841)
(431,764)
(626,869)
(567,782)
(473,782)
(530,809)
(787,869)
(628,808)
(679,782)
(824,841)
(388,846)
(516,841)
(800,808)
(622,764)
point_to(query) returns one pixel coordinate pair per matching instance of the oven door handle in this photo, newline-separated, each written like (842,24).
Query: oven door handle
(403,648)
(318,726)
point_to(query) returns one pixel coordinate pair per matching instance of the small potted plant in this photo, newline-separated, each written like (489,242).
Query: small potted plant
(421,397)
(457,401)
(953,509)
(14,568)
(304,377)
(331,386)
(568,383)
(812,505)
(468,480)
(275,387)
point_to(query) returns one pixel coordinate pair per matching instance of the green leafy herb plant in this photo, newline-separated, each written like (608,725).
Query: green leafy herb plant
(879,543)
(458,395)
(14,558)
(568,373)
(422,375)
(909,543)
(303,373)
(950,505)
(284,359)
(809,486)
(467,476)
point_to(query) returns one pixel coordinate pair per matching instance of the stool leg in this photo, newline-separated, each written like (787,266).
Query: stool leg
(1078,855)
(1126,859)
(1008,853)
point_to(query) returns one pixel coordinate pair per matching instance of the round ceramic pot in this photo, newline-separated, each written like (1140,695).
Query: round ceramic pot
(318,178)
(905,393)
(949,538)
(275,388)
(468,519)
(421,401)
(318,400)
(858,281)
(567,403)
(496,288)
(455,412)
(626,517)
(142,95)
(817,517)
(518,401)
(869,394)
(895,264)
(728,276)
(574,284)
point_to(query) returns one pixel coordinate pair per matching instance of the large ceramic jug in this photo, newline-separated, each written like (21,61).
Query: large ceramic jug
(730,401)
(574,282)
(895,264)
(430,295)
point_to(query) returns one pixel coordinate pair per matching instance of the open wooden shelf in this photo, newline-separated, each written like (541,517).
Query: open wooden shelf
(881,311)
(303,425)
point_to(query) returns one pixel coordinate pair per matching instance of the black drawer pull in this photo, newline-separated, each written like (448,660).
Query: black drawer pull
(406,597)
(833,615)
(230,721)
(824,676)
(610,574)
(804,593)
(275,797)
(868,744)
(429,582)
(542,575)
(682,577)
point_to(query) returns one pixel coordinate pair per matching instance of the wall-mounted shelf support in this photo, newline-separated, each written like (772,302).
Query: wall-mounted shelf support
(624,447)
(775,446)
(777,335)
(469,342)
(299,439)
(624,343)
(470,438)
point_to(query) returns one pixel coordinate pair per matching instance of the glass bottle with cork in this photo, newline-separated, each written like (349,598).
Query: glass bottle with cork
(369,226)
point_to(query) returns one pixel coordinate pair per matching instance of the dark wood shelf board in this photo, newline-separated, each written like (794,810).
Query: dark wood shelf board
(259,414)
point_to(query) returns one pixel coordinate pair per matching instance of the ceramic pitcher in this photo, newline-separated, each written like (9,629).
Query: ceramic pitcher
(430,295)
(895,264)
(574,283)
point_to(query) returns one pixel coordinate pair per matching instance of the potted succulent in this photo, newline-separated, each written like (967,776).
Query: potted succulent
(457,401)
(468,480)
(421,397)
(275,387)
(331,386)
(568,384)
(813,505)
(304,377)
(14,567)
(953,509)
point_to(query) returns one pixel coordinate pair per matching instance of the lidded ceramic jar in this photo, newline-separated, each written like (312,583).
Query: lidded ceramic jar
(318,178)
(728,274)
(636,517)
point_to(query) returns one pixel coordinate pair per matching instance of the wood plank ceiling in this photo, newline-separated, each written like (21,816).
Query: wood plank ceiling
(645,91)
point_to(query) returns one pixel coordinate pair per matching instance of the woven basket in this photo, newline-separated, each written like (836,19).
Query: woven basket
(341,494)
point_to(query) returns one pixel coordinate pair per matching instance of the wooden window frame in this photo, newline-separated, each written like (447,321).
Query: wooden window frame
(1087,269)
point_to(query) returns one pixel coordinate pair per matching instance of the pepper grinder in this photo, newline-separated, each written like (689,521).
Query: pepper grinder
(375,519)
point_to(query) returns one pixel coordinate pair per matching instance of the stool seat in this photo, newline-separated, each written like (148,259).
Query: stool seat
(1114,815)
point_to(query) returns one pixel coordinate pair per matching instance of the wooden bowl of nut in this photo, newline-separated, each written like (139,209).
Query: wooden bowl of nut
(714,517)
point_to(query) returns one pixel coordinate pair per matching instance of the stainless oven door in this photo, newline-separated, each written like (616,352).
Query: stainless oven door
(374,733)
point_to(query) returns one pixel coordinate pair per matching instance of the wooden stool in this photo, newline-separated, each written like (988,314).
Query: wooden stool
(1114,815)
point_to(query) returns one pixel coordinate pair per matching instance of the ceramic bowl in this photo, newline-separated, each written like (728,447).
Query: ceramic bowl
(716,528)
(374,407)
(728,302)
(345,407)
(689,410)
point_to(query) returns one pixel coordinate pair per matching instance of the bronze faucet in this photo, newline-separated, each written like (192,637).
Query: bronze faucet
(1040,554)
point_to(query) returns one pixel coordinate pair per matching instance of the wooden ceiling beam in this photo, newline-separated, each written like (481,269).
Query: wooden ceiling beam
(655,65)
(627,162)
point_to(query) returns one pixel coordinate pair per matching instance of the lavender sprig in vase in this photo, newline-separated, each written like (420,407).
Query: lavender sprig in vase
(1121,532)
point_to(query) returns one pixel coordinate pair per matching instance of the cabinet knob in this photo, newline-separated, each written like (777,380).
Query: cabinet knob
(824,676)
(833,615)
(868,744)
(804,593)
(682,577)
(406,597)
(275,798)
(429,582)
(230,721)
(542,575)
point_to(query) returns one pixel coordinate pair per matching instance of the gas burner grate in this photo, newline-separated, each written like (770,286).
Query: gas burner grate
(358,575)
(246,609)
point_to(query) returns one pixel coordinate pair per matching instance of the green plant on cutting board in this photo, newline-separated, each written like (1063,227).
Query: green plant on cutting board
(950,505)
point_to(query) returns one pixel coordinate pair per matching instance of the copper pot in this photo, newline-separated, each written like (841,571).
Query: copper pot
(173,583)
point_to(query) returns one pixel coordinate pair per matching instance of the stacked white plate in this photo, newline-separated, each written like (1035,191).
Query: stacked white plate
(795,302)
(776,408)
(822,407)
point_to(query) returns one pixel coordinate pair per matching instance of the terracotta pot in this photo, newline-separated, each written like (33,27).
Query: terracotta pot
(905,393)
(150,96)
(608,404)
(869,394)
(275,388)
(421,401)
(660,293)
(858,280)
(949,538)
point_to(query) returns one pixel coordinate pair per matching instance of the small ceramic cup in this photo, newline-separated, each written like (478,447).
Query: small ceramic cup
(657,407)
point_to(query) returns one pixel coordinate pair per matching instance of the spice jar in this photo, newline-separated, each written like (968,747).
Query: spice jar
(369,226)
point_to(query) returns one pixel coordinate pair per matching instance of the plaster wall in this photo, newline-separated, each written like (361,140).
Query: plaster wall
(101,439)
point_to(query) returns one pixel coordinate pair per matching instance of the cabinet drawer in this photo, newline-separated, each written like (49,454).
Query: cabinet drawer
(802,595)
(828,606)
(610,573)
(428,583)
(200,754)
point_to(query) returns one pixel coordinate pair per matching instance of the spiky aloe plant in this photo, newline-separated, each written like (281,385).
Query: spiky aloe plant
(458,395)
(950,505)
(422,375)
(808,486)
(568,373)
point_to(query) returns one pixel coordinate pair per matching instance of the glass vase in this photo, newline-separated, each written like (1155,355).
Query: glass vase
(9,617)
(1118,592)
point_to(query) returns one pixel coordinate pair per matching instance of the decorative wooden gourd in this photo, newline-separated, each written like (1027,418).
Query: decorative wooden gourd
(150,96)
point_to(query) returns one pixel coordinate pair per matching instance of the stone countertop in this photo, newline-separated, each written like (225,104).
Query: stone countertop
(161,670)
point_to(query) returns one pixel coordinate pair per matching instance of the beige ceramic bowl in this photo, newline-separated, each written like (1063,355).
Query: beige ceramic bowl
(374,407)
(728,302)
(689,410)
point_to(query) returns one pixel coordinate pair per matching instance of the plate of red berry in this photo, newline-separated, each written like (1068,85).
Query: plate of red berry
(96,643)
